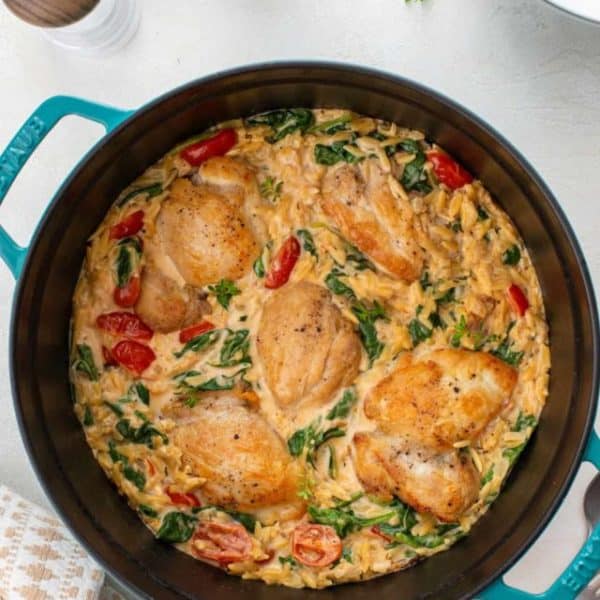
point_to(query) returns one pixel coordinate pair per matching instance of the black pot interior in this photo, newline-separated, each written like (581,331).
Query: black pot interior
(90,504)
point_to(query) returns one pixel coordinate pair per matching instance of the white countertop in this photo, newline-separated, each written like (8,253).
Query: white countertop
(527,69)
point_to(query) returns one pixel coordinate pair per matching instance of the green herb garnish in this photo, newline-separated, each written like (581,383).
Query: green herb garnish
(144,434)
(342,408)
(270,189)
(151,190)
(504,352)
(419,332)
(460,330)
(138,391)
(147,511)
(511,255)
(225,290)
(332,126)
(308,242)
(284,121)
(259,267)
(200,342)
(338,287)
(310,439)
(176,527)
(235,349)
(84,362)
(88,417)
(331,155)
(367,330)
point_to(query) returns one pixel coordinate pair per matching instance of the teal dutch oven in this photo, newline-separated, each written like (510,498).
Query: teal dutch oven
(47,271)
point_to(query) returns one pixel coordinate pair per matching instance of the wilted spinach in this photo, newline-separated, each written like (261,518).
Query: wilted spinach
(284,121)
(84,362)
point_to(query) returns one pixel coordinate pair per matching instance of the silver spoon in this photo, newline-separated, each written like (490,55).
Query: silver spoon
(591,508)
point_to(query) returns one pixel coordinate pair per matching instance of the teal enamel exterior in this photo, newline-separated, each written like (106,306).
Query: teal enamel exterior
(28,138)
(580,571)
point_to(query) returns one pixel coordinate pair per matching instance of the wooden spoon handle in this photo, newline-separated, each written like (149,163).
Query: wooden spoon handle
(51,13)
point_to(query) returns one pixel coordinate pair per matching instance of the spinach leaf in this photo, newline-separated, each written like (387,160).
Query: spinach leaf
(235,349)
(270,189)
(354,255)
(415,541)
(88,417)
(284,121)
(343,519)
(114,407)
(511,255)
(308,242)
(144,434)
(332,126)
(138,391)
(224,291)
(84,362)
(418,331)
(151,190)
(129,252)
(347,554)
(367,330)
(200,342)
(332,281)
(504,352)
(482,213)
(489,475)
(136,477)
(332,466)
(148,511)
(447,297)
(456,226)
(460,330)
(408,145)
(414,176)
(331,155)
(247,520)
(424,280)
(436,321)
(176,527)
(342,409)
(211,385)
(259,267)
(312,438)
(524,422)
(290,560)
(115,455)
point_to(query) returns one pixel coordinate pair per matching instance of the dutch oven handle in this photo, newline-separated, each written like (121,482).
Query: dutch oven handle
(28,138)
(577,575)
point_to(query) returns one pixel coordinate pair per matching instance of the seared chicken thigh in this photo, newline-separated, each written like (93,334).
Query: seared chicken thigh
(359,200)
(308,349)
(447,396)
(421,409)
(442,484)
(205,234)
(244,460)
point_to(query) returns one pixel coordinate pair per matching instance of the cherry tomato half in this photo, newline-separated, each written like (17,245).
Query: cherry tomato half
(127,295)
(130,225)
(182,499)
(283,264)
(222,542)
(316,545)
(133,356)
(126,324)
(517,299)
(217,145)
(448,171)
(189,333)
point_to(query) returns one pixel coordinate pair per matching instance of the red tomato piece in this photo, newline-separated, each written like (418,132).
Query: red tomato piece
(109,359)
(283,264)
(316,545)
(133,356)
(189,333)
(448,171)
(222,542)
(151,467)
(517,299)
(130,225)
(126,324)
(217,145)
(127,295)
(182,499)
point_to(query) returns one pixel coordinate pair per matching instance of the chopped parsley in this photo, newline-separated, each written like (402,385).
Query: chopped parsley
(224,291)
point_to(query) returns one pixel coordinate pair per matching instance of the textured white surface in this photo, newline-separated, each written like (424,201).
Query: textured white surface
(525,67)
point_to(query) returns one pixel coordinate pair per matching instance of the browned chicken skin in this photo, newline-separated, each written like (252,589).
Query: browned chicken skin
(245,462)
(308,349)
(208,230)
(360,202)
(422,408)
